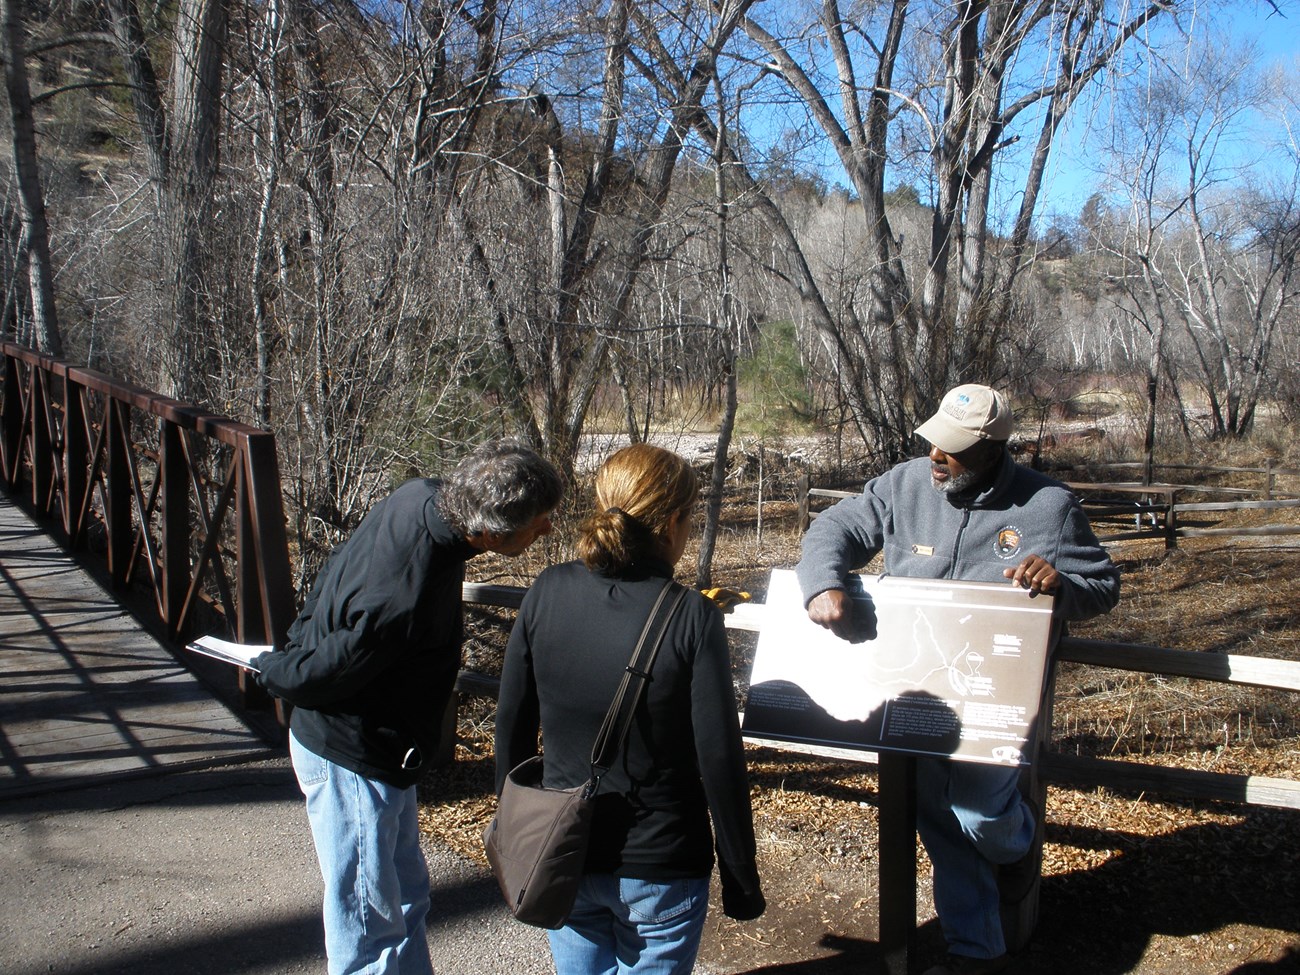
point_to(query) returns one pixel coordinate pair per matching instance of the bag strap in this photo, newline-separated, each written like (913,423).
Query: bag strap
(618,720)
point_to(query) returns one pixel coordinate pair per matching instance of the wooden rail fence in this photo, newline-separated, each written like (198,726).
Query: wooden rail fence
(1154,508)
(1268,475)
(1061,768)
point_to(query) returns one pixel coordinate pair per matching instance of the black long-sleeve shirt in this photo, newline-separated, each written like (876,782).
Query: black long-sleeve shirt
(372,658)
(683,759)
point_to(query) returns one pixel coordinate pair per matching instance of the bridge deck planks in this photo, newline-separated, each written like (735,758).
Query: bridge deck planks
(86,694)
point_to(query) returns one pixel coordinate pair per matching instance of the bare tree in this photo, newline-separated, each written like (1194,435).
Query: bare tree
(948,68)
(195,126)
(145,91)
(601,224)
(1217,264)
(181,142)
(34,235)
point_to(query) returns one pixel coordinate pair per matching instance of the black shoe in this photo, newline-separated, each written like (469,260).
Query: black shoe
(1018,884)
(965,965)
(1018,879)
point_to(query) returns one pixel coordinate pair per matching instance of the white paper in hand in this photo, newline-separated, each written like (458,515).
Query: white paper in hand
(239,654)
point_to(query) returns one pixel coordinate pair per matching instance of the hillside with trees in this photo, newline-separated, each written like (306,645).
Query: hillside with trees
(388,230)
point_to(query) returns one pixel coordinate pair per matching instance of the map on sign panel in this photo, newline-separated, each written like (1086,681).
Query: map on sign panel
(937,668)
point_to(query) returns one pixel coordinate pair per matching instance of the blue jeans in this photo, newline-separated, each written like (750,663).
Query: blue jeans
(367,839)
(971,818)
(621,925)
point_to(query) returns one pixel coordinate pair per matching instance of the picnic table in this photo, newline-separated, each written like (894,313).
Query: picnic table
(1155,502)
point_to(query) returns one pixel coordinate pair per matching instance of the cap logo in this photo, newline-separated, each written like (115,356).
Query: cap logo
(957,408)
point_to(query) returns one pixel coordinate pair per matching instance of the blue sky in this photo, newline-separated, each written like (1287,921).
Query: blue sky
(1072,177)
(1075,163)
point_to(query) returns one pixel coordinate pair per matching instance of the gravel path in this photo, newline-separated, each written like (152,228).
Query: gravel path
(208,873)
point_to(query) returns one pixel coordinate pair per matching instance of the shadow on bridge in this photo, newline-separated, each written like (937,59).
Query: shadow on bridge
(85,692)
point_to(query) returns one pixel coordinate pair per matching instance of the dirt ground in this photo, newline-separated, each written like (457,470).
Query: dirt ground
(1132,883)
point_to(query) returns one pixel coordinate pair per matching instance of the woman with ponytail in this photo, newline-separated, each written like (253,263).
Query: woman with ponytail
(644,894)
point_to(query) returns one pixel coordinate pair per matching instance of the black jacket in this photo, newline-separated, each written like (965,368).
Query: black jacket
(683,759)
(372,658)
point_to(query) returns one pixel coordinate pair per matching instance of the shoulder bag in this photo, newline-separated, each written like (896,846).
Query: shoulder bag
(537,841)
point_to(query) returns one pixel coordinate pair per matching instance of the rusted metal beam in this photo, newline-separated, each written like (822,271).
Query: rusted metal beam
(107,458)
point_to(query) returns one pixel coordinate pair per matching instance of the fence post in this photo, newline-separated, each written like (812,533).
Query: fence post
(1171,522)
(76,463)
(266,606)
(249,626)
(173,468)
(117,488)
(1270,478)
(802,486)
(446,753)
(11,434)
(41,447)
(269,540)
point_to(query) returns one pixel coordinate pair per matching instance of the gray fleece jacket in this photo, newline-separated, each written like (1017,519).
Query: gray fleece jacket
(929,535)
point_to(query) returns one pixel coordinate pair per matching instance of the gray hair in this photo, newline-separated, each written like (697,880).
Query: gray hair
(499,488)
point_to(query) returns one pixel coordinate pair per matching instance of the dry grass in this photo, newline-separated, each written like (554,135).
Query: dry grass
(1209,596)
(1218,880)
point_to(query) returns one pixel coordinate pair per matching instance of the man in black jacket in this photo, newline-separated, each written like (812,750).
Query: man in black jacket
(370,664)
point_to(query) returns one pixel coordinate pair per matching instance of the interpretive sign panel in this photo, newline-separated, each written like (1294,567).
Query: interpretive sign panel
(942,668)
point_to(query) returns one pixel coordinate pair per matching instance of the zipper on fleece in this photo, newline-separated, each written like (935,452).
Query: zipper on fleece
(956,543)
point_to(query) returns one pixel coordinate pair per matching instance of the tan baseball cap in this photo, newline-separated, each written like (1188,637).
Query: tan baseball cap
(967,415)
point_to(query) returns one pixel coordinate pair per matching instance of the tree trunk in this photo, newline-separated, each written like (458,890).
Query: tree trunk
(146,97)
(726,332)
(270,150)
(195,141)
(35,233)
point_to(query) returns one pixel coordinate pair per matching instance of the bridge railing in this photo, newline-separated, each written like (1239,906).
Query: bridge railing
(182,507)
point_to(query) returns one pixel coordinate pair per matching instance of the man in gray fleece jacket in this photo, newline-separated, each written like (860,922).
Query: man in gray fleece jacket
(966,512)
